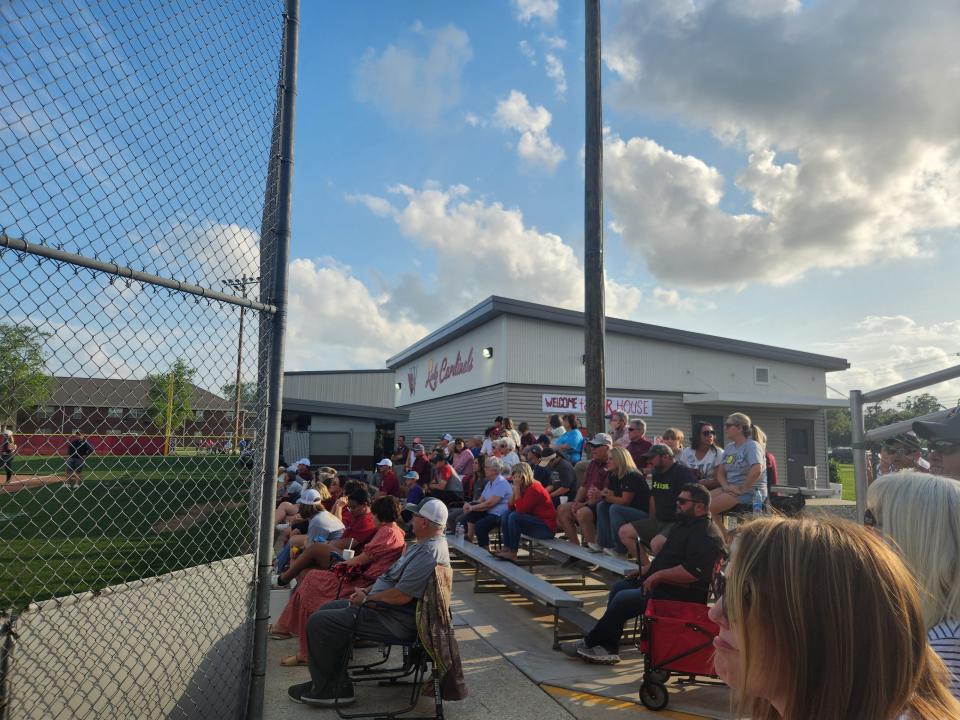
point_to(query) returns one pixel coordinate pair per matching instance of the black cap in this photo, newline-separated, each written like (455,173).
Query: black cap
(948,429)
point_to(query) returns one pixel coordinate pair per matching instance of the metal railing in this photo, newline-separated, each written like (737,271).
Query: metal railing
(862,438)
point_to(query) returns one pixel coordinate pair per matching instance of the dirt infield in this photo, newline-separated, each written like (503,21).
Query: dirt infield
(193,515)
(26,482)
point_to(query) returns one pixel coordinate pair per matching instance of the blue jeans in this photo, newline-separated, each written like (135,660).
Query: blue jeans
(515,524)
(609,519)
(483,522)
(627,600)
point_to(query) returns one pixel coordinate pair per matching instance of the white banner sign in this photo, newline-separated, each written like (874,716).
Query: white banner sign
(634,407)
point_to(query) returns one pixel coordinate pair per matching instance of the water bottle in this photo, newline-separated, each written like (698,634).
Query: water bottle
(757,502)
(460,530)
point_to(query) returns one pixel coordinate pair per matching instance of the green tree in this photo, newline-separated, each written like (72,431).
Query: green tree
(248,393)
(24,382)
(180,376)
(838,427)
(922,404)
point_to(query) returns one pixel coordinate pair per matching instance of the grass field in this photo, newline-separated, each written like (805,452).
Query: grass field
(57,541)
(846,477)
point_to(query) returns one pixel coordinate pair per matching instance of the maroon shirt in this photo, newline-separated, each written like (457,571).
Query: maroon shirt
(596,475)
(637,450)
(389,484)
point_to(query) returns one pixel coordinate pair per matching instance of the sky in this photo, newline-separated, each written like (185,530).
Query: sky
(776,171)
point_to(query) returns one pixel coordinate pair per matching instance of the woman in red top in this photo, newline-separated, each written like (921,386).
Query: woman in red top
(531,512)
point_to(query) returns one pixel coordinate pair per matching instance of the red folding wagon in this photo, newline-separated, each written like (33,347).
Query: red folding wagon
(676,638)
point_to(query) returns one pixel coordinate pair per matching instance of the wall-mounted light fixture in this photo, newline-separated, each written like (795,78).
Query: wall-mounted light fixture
(398,385)
(488,352)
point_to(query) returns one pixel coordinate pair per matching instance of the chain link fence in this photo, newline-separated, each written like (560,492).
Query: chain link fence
(139,203)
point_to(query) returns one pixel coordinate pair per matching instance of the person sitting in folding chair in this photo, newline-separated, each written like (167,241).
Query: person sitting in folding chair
(681,571)
(386,612)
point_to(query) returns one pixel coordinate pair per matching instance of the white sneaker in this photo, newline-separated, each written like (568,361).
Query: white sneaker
(594,547)
(598,655)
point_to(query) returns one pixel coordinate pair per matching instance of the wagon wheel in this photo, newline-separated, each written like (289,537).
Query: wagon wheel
(658,676)
(654,695)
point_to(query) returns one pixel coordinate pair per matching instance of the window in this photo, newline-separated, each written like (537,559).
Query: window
(761,375)
(229,416)
(198,416)
(77,413)
(135,413)
(46,411)
(114,412)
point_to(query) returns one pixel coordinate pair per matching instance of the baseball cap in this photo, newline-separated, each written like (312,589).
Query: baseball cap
(412,475)
(535,449)
(908,438)
(430,509)
(386,462)
(309,497)
(418,448)
(447,436)
(304,461)
(659,449)
(948,429)
(600,439)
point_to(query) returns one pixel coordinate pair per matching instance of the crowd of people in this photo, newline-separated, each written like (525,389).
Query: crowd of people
(818,617)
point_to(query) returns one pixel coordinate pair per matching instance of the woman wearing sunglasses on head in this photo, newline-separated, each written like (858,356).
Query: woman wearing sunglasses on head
(744,466)
(920,515)
(821,619)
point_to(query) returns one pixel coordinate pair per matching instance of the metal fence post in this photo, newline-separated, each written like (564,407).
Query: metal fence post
(279,296)
(859,451)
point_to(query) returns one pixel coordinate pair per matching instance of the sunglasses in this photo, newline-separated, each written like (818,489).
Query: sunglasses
(718,589)
(708,432)
(870,520)
(731,424)
(894,450)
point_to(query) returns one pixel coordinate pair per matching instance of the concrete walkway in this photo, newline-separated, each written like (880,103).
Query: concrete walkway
(511,671)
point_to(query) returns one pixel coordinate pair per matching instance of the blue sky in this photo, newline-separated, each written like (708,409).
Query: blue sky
(831,265)
(775,171)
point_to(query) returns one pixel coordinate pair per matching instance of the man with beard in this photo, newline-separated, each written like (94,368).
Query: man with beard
(681,571)
(943,441)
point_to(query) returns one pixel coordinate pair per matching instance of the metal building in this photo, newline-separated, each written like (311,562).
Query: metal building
(523,360)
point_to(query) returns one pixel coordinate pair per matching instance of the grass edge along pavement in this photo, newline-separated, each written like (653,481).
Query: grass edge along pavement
(55,541)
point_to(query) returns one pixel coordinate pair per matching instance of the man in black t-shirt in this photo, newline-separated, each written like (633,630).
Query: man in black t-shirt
(682,571)
(562,479)
(78,448)
(669,477)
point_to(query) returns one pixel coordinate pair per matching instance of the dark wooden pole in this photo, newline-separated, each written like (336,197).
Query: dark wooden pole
(594,330)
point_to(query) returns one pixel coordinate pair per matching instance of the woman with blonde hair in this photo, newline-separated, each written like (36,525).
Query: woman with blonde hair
(673,438)
(920,515)
(744,466)
(820,619)
(625,499)
(531,512)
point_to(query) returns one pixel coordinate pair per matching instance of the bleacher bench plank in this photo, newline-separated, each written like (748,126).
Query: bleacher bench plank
(614,565)
(524,582)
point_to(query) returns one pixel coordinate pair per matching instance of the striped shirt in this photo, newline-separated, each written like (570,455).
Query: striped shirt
(944,638)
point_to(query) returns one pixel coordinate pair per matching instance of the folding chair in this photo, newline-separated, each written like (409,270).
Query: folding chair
(413,672)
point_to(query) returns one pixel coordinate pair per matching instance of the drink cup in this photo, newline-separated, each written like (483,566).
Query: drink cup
(347,554)
(563,499)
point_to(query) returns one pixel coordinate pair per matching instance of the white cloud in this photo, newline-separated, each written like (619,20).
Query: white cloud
(504,255)
(888,349)
(528,52)
(855,95)
(474,120)
(543,10)
(555,72)
(417,82)
(554,42)
(376,205)
(335,322)
(203,251)
(535,146)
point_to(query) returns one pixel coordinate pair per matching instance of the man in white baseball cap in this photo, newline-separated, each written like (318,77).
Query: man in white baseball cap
(388,610)
(388,483)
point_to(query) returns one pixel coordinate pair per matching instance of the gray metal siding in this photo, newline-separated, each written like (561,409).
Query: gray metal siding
(463,415)
(365,388)
(524,403)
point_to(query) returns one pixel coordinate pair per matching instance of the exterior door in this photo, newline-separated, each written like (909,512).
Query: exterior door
(800,451)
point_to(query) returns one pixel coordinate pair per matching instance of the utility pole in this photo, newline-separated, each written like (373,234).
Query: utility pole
(593,282)
(240,284)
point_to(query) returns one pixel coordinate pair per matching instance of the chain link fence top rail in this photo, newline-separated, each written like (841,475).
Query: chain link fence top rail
(136,135)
